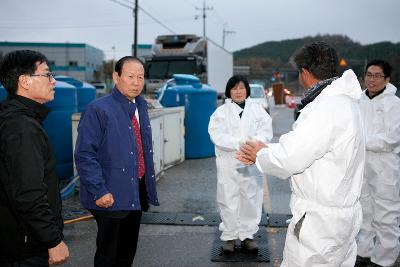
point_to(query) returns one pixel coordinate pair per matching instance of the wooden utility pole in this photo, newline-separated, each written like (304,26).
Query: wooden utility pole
(135,34)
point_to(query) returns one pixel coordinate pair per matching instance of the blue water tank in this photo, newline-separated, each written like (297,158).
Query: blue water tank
(200,101)
(86,92)
(58,126)
(3,93)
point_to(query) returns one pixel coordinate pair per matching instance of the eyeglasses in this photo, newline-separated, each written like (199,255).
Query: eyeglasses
(376,76)
(48,75)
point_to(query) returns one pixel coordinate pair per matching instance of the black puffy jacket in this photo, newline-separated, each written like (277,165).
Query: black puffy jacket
(30,203)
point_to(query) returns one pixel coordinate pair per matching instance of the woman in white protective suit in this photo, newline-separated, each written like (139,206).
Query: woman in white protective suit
(378,240)
(239,187)
(324,157)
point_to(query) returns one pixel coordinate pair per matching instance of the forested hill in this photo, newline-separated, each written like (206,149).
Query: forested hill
(278,53)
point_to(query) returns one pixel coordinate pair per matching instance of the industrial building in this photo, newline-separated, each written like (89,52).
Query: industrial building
(81,61)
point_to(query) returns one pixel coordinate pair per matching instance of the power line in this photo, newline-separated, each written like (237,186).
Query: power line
(122,4)
(147,13)
(135,16)
(55,27)
(204,9)
(159,22)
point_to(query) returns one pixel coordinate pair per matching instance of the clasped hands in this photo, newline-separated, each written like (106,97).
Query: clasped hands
(248,151)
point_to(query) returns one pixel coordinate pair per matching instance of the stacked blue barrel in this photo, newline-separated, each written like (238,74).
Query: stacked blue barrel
(86,92)
(58,126)
(71,96)
(199,101)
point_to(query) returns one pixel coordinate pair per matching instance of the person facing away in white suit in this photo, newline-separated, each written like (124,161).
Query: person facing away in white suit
(239,187)
(378,240)
(324,157)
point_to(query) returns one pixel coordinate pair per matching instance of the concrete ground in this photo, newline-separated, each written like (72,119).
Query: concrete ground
(191,188)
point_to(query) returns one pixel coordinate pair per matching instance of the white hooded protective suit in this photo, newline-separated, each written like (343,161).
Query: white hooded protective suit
(324,156)
(380,198)
(239,187)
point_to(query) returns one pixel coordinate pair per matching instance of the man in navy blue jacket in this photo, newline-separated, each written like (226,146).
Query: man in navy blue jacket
(114,158)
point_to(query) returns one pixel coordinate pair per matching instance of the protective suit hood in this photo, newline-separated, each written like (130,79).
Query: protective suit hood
(347,84)
(389,90)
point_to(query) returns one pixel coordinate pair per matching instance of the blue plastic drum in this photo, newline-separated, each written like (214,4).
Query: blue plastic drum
(58,126)
(86,92)
(200,101)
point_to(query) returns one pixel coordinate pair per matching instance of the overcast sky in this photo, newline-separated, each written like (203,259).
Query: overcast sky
(104,24)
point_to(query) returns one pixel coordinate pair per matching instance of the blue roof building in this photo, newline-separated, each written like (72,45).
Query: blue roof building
(81,61)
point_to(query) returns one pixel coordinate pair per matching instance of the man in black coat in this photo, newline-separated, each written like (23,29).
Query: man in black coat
(30,205)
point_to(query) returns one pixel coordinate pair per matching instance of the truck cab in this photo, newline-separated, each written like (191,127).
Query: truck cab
(174,54)
(160,69)
(187,54)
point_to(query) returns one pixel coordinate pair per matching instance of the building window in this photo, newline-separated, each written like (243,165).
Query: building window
(73,63)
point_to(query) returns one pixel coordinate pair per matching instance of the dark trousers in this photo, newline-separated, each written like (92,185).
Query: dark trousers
(117,234)
(117,239)
(41,260)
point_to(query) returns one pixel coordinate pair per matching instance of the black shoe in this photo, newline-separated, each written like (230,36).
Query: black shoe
(228,246)
(250,245)
(362,261)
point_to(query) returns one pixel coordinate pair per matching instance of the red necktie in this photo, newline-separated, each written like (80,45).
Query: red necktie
(138,137)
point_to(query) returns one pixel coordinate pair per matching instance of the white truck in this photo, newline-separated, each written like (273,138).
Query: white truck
(188,54)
